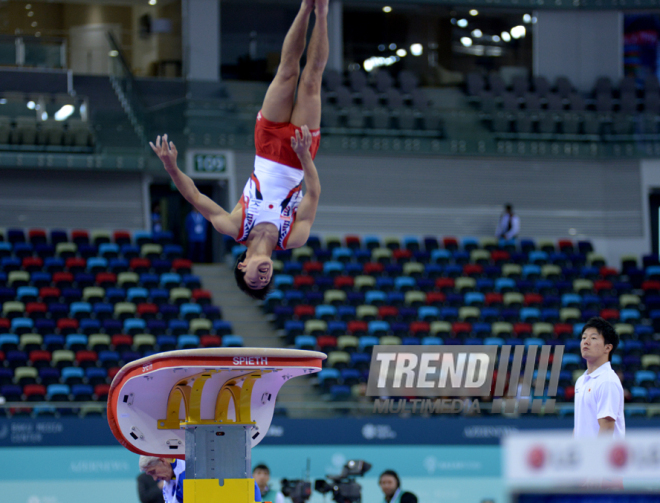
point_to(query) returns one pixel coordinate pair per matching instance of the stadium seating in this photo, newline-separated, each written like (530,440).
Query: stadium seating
(77,306)
(346,296)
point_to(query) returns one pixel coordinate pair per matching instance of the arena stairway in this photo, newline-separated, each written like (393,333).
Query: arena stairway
(250,321)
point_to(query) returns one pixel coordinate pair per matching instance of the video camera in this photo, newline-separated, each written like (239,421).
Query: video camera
(298,490)
(343,486)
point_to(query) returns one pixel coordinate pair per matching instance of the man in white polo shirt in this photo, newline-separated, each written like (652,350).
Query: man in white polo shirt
(598,392)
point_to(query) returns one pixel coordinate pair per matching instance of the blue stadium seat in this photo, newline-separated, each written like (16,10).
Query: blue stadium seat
(178,327)
(96,265)
(222,327)
(378,328)
(432,341)
(149,281)
(530,314)
(9,342)
(493,341)
(367,342)
(571,361)
(481,329)
(336,327)
(571,300)
(307,342)
(375,297)
(27,294)
(80,310)
(232,341)
(187,341)
(404,283)
(137,295)
(428,313)
(325,312)
(172,251)
(166,342)
(189,311)
(73,375)
(129,251)
(170,280)
(283,282)
(531,271)
(76,342)
(629,315)
(108,250)
(534,341)
(133,326)
(645,378)
(22,326)
(504,285)
(474,299)
(328,377)
(57,392)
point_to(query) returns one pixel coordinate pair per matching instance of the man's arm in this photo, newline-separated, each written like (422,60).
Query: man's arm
(515,227)
(220,218)
(606,425)
(310,202)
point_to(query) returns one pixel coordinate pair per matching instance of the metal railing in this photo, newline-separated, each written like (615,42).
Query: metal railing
(32,51)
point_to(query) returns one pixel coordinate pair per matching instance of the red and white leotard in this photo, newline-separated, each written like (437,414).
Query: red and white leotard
(274,191)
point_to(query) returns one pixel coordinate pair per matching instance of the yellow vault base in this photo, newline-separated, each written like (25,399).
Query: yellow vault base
(210,491)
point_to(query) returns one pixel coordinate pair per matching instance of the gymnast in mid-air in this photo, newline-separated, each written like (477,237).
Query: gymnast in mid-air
(272,213)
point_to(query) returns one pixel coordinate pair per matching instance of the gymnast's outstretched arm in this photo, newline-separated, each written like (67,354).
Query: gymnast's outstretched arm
(220,218)
(310,202)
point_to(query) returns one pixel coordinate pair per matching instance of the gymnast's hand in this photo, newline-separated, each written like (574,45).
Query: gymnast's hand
(166,153)
(301,142)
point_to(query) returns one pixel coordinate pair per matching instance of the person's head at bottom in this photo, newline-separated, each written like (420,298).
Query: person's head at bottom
(599,341)
(254,274)
(160,469)
(261,475)
(389,483)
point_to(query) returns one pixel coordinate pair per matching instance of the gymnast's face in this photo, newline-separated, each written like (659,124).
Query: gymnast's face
(258,270)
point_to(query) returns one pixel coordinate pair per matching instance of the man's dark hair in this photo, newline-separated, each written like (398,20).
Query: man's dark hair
(391,473)
(260,467)
(605,329)
(259,294)
(508,207)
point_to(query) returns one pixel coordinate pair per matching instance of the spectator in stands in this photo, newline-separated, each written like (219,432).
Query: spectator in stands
(149,490)
(172,472)
(598,392)
(391,486)
(261,476)
(156,218)
(196,226)
(272,213)
(509,224)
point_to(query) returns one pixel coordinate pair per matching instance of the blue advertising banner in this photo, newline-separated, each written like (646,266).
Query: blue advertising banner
(373,430)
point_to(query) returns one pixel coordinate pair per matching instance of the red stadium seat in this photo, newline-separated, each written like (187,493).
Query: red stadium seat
(420,328)
(140,265)
(50,294)
(651,287)
(34,392)
(603,286)
(201,296)
(80,236)
(304,312)
(608,272)
(313,268)
(106,279)
(344,282)
(522,329)
(210,341)
(5,325)
(86,358)
(36,310)
(353,242)
(388,313)
(473,270)
(75,265)
(112,372)
(357,327)
(611,315)
(67,326)
(121,237)
(146,311)
(564,330)
(445,284)
(326,342)
(303,282)
(401,255)
(450,243)
(569,393)
(461,328)
(101,391)
(566,246)
(37,236)
(435,298)
(500,256)
(40,358)
(182,265)
(33,264)
(533,299)
(373,269)
(122,342)
(62,279)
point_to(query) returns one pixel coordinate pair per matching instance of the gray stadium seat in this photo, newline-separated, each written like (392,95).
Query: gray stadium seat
(488,103)
(509,101)
(381,118)
(603,86)
(627,85)
(332,79)
(408,81)
(344,97)
(368,98)
(406,119)
(474,83)
(555,102)
(358,80)
(651,102)
(576,103)
(622,124)
(519,86)
(563,86)
(51,133)
(651,83)
(25,131)
(501,122)
(647,124)
(547,123)
(604,102)
(5,130)
(541,86)
(591,124)
(355,118)
(394,98)
(496,84)
(383,81)
(523,123)
(628,103)
(330,117)
(570,124)
(419,99)
(532,102)
(432,120)
(77,133)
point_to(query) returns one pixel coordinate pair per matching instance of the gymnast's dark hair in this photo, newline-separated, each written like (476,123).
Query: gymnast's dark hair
(259,294)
